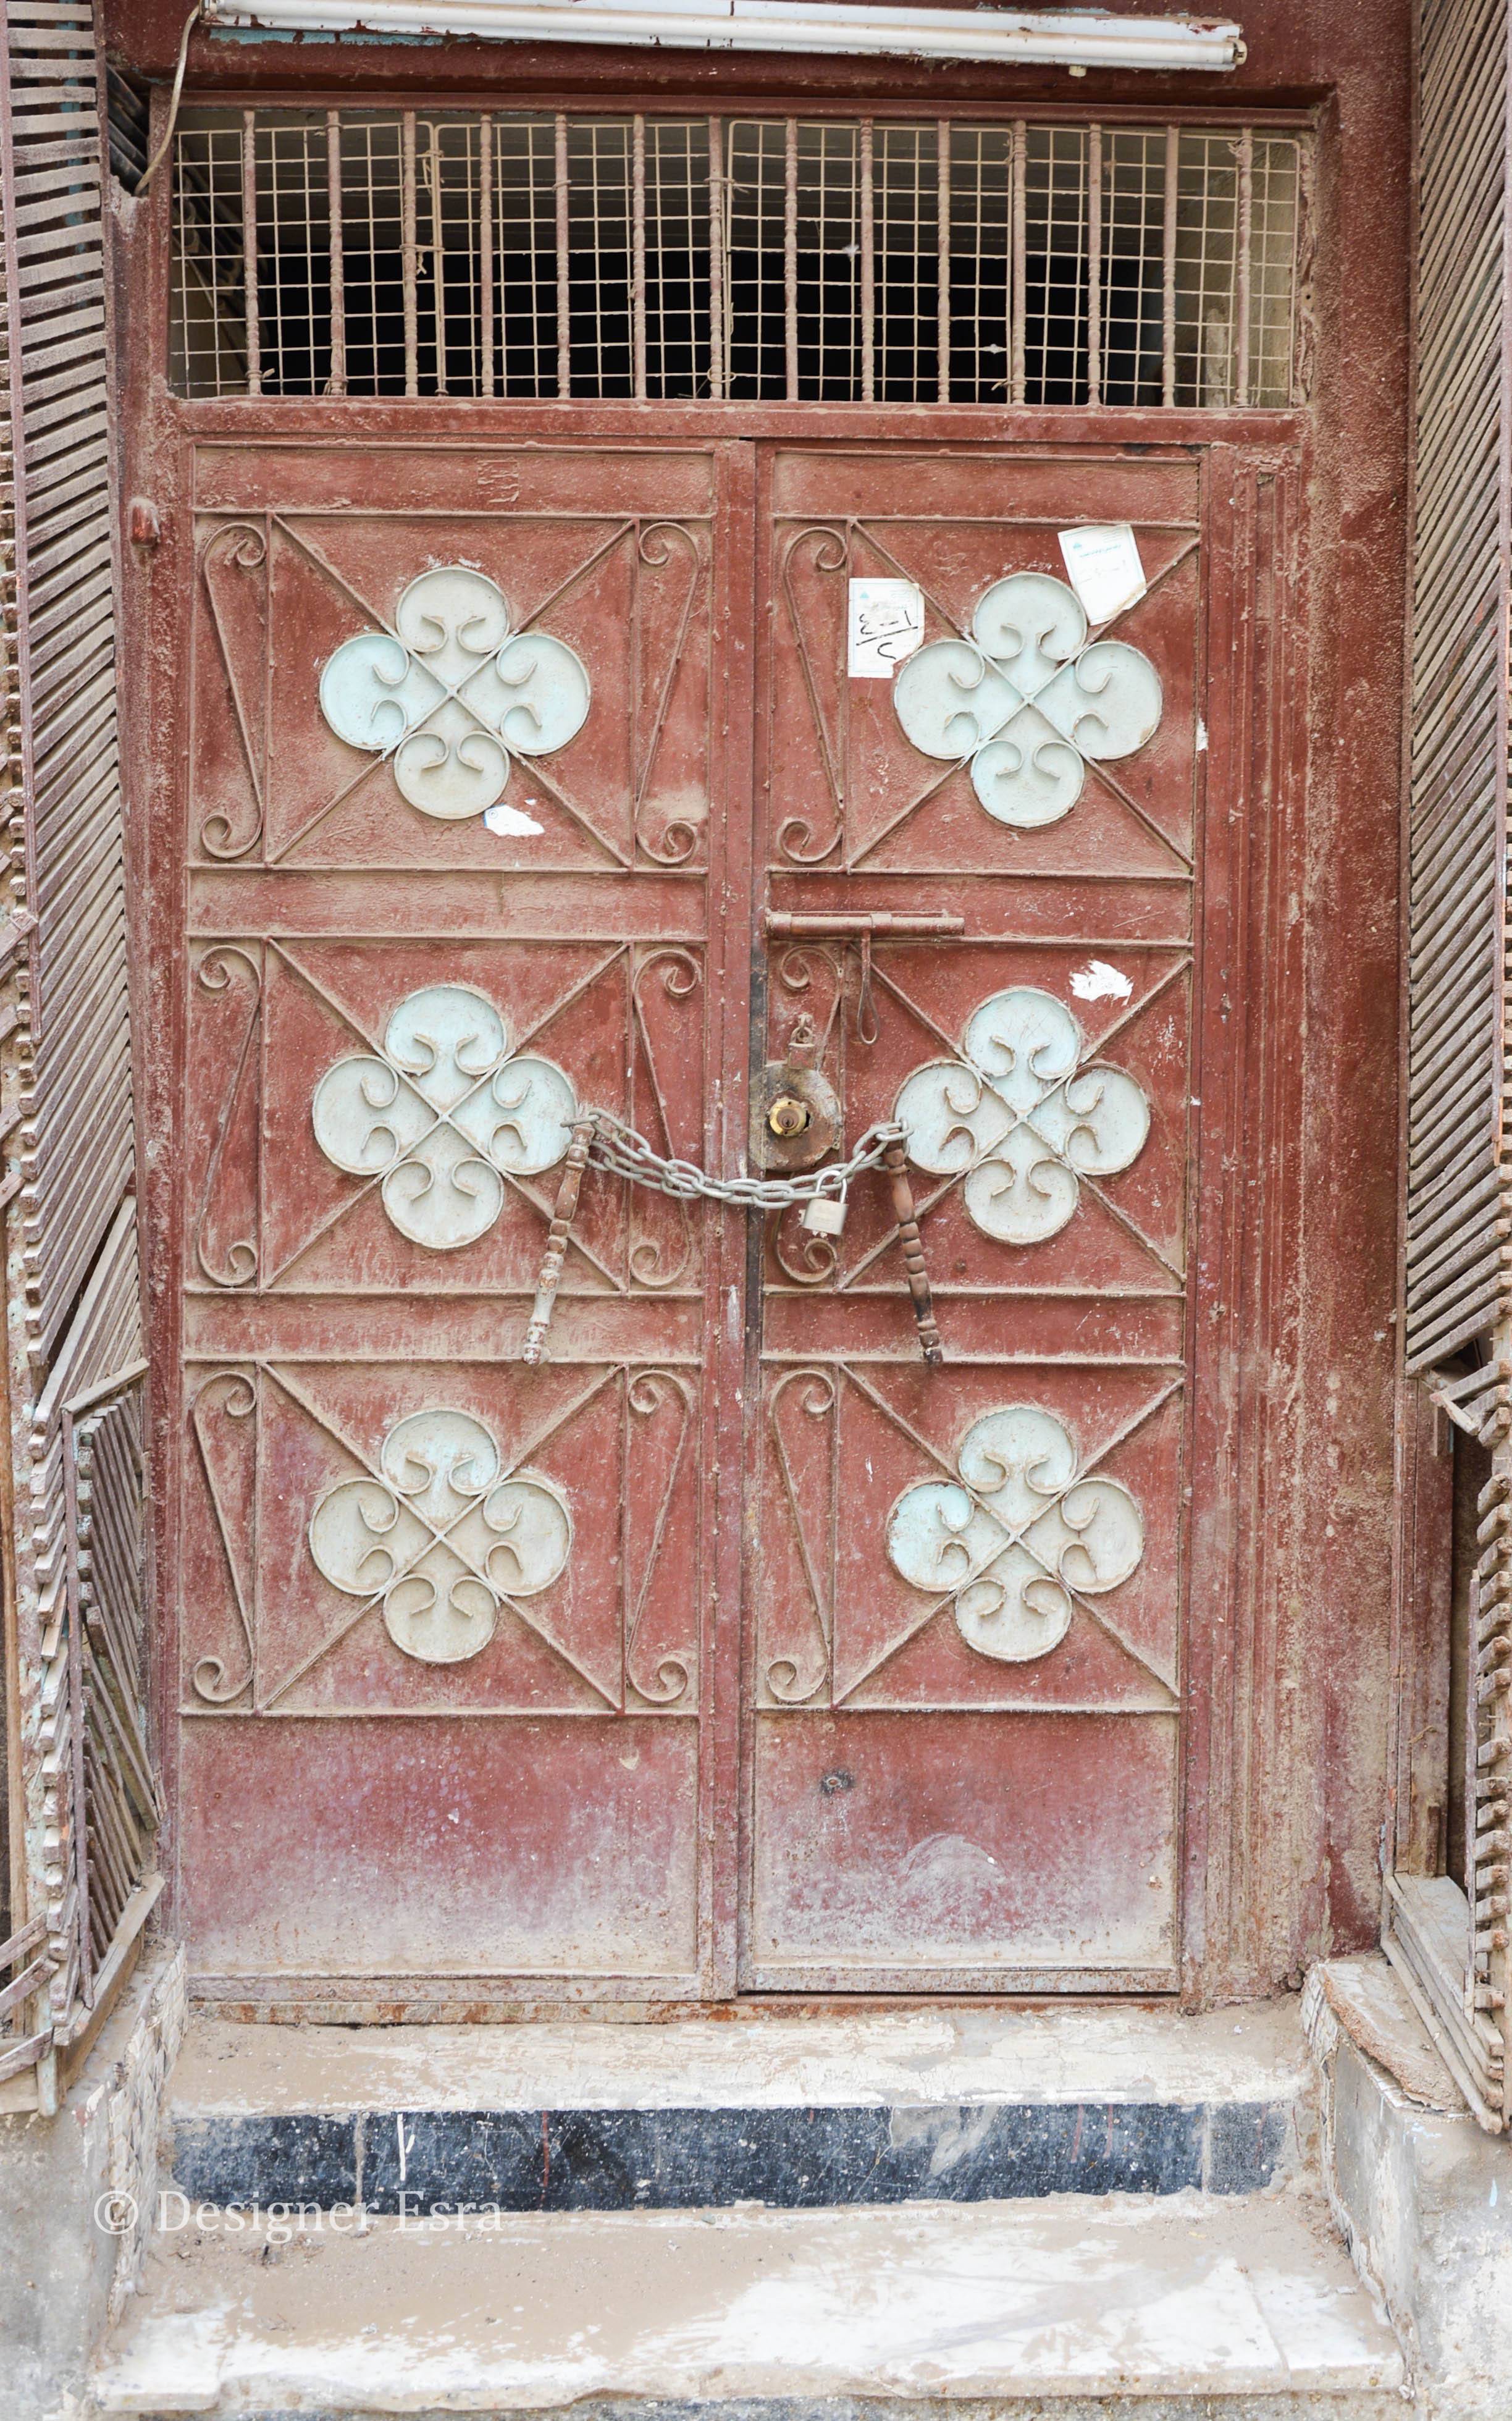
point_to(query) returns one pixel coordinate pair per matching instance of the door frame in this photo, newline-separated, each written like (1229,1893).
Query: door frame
(1285,1775)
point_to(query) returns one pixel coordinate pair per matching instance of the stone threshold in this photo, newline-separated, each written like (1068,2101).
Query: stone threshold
(396,2162)
(876,2108)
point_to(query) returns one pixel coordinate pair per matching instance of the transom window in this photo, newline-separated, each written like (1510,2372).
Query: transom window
(839,261)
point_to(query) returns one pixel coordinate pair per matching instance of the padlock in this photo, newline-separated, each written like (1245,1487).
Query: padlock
(824,1215)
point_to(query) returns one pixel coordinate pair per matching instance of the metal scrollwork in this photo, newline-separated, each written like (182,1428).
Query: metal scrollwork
(238,1264)
(441,1538)
(232,1394)
(1026,701)
(444,1115)
(236,546)
(1024,1114)
(451,691)
(1018,1534)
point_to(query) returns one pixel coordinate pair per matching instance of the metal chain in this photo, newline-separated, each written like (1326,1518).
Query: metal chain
(624,1154)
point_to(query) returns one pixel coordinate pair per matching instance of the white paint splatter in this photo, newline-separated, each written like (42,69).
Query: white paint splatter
(1097,981)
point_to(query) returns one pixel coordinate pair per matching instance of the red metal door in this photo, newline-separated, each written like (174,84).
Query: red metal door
(733,1645)
(457,799)
(966,1600)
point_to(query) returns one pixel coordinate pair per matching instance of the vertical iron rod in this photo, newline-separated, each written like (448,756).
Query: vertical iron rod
(249,248)
(716,259)
(637,277)
(1016,297)
(1244,235)
(485,253)
(336,384)
(409,262)
(438,253)
(868,265)
(564,274)
(1094,264)
(789,255)
(1173,173)
(943,228)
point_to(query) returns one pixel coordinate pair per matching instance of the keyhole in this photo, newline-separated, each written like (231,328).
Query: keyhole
(788,1115)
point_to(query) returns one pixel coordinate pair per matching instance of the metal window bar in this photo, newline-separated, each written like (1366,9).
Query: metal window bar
(354,252)
(716,258)
(337,382)
(249,251)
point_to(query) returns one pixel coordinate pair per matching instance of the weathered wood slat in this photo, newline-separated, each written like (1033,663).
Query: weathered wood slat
(66,1133)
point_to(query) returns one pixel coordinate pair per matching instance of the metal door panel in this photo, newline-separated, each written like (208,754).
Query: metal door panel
(968,1584)
(456,1851)
(958,1851)
(443,1616)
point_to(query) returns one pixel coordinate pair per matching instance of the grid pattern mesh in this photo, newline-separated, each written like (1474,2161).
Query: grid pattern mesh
(835,260)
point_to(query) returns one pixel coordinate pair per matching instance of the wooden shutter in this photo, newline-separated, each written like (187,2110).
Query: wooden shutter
(1458,1273)
(84,1803)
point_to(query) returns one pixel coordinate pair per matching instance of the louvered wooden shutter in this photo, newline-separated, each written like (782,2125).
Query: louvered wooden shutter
(1459,1194)
(1458,1306)
(82,1877)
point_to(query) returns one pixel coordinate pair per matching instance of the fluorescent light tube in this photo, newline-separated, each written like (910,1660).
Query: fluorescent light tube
(1030,38)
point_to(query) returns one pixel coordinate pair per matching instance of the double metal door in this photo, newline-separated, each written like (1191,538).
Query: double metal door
(732,1645)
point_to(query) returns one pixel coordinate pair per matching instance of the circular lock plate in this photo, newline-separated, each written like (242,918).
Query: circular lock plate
(778,1155)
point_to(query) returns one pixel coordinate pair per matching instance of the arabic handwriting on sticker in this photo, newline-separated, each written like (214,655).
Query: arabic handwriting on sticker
(886,626)
(1103,564)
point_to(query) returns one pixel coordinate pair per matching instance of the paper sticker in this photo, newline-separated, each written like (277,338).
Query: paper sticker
(1097,981)
(886,625)
(1103,567)
(504,819)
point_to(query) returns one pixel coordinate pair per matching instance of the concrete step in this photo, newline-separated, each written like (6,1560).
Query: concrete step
(1186,2303)
(806,2112)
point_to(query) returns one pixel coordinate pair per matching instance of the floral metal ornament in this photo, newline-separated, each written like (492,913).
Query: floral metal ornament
(444,1115)
(441,1539)
(1026,701)
(1017,1538)
(1024,1114)
(451,691)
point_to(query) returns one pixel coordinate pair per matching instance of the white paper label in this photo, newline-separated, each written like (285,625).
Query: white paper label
(886,625)
(504,819)
(1103,567)
(1097,981)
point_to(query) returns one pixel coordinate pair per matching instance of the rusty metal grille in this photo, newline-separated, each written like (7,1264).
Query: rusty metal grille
(830,260)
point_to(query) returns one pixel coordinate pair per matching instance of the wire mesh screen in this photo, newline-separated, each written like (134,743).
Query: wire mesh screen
(351,252)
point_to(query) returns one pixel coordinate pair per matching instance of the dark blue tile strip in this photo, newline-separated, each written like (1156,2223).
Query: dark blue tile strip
(423,2160)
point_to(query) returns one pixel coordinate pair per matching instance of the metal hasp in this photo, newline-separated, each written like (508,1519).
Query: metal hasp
(867,924)
(863,925)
